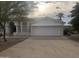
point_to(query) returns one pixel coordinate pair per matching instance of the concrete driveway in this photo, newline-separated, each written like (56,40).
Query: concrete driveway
(43,47)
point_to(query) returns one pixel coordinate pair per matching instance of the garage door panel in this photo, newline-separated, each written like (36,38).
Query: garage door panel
(46,31)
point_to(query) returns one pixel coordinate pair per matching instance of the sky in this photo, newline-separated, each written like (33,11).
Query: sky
(51,9)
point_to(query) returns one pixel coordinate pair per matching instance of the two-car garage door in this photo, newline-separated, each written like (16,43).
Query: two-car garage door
(46,31)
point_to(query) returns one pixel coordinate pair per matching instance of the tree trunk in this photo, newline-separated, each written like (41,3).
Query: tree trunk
(4,31)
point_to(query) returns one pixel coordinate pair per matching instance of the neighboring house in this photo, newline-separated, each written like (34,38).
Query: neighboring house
(43,26)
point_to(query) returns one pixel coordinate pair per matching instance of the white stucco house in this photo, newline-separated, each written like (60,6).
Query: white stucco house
(43,26)
(46,26)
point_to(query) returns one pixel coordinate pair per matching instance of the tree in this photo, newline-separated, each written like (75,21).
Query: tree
(10,10)
(60,15)
(75,19)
